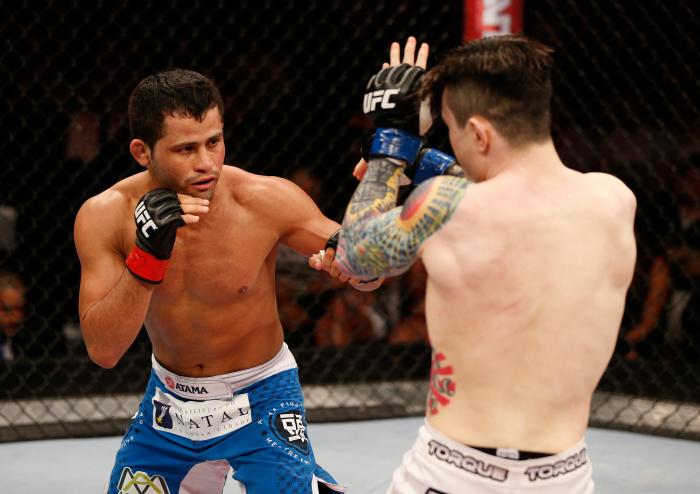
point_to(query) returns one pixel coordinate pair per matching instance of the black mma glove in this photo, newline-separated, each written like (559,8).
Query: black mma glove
(391,99)
(392,103)
(157,217)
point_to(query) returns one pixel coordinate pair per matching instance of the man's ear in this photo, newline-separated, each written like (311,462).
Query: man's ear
(480,130)
(140,151)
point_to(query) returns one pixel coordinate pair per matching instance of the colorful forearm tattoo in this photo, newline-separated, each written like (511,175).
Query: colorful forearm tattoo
(379,239)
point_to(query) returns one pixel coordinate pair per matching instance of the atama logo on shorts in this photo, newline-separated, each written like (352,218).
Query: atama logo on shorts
(141,483)
(380,96)
(199,390)
(185,388)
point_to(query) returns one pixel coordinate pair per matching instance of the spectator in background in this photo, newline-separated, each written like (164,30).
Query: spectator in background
(669,272)
(349,319)
(394,313)
(320,309)
(12,288)
(683,312)
(8,235)
(644,321)
(12,305)
(645,337)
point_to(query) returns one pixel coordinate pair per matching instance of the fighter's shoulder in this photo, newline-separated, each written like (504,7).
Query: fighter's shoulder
(445,191)
(114,203)
(264,192)
(476,195)
(612,190)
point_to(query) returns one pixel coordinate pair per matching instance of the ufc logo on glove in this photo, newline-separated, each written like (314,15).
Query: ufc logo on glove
(144,218)
(380,96)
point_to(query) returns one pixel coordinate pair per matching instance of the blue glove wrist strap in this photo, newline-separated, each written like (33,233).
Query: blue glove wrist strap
(431,164)
(395,143)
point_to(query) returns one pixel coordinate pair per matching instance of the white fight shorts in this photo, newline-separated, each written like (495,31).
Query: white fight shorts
(437,464)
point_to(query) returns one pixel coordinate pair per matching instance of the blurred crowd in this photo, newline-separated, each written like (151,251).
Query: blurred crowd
(662,319)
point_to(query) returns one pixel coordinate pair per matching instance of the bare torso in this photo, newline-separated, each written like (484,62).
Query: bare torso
(526,288)
(215,312)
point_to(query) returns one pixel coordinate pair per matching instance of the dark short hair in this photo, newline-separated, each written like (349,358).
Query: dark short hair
(171,92)
(505,79)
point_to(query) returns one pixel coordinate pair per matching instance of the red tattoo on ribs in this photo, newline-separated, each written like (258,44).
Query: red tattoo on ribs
(440,387)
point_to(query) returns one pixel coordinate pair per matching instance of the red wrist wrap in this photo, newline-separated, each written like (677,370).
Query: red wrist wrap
(145,266)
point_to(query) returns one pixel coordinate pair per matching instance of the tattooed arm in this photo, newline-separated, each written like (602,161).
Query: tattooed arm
(379,239)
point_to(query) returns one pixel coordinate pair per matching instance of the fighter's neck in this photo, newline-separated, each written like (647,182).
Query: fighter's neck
(533,158)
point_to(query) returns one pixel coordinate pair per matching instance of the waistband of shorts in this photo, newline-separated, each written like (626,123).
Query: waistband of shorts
(224,385)
(571,458)
(511,453)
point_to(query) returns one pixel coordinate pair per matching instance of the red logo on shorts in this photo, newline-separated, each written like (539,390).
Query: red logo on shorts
(169,382)
(440,387)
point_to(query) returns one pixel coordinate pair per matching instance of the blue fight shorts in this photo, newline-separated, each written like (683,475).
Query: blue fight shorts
(189,431)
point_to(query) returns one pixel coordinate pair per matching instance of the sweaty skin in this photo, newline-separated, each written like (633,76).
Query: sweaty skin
(215,312)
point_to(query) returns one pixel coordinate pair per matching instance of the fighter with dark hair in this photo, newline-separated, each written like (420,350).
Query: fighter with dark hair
(528,266)
(188,248)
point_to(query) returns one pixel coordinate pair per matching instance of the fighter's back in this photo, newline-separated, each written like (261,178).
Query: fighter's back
(527,285)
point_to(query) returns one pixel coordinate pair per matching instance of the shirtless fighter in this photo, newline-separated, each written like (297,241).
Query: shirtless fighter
(188,247)
(528,265)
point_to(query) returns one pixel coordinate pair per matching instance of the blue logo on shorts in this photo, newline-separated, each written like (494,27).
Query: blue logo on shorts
(291,427)
(161,415)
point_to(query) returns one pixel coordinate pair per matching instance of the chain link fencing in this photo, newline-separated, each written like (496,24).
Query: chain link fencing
(292,74)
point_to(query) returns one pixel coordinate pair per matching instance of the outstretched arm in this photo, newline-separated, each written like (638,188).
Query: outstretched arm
(302,226)
(380,239)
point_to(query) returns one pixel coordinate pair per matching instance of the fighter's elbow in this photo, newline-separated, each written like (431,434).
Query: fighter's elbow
(105,361)
(105,357)
(101,345)
(367,285)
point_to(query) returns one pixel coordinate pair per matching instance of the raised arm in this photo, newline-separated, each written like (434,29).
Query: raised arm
(115,291)
(302,226)
(379,239)
(112,302)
